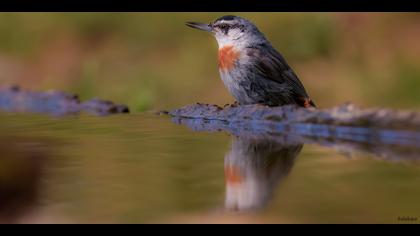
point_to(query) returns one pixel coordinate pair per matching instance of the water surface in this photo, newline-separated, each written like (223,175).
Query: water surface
(143,168)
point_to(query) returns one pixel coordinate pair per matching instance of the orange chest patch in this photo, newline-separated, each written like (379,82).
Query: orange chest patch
(227,57)
(233,176)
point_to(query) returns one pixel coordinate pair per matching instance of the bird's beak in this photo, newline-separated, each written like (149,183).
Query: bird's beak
(200,26)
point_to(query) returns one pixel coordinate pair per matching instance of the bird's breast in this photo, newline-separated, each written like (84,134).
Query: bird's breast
(227,57)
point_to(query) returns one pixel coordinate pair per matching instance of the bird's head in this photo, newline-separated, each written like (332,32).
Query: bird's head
(231,30)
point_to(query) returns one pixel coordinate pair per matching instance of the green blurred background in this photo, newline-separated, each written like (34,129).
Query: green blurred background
(152,61)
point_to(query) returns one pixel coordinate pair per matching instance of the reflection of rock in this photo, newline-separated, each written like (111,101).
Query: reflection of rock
(346,123)
(264,152)
(253,169)
(21,164)
(395,145)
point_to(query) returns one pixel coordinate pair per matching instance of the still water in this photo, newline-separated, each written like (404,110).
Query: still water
(144,168)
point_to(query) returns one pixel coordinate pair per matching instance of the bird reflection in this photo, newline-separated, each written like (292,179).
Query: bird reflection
(256,163)
(263,153)
(253,170)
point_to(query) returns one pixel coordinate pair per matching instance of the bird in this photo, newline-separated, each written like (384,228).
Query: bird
(252,70)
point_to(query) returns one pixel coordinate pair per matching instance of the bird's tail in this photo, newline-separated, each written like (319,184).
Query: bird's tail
(305,102)
(311,103)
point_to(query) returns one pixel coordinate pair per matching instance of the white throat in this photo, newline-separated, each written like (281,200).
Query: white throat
(227,41)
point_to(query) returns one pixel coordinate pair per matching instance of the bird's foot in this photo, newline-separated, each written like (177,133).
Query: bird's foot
(235,104)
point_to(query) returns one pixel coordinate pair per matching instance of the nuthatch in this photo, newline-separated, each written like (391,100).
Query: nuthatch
(251,69)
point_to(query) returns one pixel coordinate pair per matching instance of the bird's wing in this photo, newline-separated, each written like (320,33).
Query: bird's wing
(271,65)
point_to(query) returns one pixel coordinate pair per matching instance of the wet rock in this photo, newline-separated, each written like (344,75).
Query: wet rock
(14,99)
(393,145)
(344,115)
(386,133)
(102,107)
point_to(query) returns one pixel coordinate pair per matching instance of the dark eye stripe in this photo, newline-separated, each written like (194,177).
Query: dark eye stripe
(223,26)
(234,26)
(237,26)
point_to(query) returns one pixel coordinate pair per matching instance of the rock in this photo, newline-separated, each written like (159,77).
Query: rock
(14,99)
(387,134)
(345,115)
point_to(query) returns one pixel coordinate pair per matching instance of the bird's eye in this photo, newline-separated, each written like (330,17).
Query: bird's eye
(224,26)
